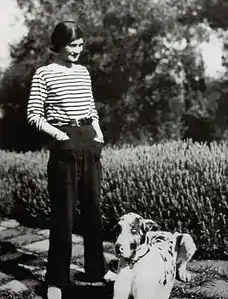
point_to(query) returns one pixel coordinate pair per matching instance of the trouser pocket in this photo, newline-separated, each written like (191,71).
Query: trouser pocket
(62,144)
(96,148)
(81,138)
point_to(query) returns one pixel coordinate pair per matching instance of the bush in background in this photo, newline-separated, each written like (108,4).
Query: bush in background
(23,187)
(181,185)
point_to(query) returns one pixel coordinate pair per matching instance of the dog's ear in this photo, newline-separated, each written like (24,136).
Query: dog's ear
(150,225)
(185,247)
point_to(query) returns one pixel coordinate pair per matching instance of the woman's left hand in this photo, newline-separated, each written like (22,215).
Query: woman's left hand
(99,138)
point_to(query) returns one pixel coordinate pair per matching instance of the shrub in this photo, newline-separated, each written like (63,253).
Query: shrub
(181,185)
(8,294)
(23,191)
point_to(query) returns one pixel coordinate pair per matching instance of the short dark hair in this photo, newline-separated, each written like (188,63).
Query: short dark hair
(63,34)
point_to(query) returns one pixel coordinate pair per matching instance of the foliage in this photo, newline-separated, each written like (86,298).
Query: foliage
(8,294)
(193,289)
(23,192)
(181,185)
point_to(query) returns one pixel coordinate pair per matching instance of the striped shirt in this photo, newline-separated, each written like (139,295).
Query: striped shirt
(59,94)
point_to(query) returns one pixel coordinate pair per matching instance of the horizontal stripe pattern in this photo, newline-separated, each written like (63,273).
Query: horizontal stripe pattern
(59,94)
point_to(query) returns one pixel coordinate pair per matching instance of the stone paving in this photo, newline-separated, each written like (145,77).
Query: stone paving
(23,256)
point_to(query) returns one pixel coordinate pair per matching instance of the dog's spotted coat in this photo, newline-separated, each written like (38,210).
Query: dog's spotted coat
(149,261)
(163,241)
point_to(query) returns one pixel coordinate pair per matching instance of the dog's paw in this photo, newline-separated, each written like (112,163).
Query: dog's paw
(183,275)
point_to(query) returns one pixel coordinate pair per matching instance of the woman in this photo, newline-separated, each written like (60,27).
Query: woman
(61,104)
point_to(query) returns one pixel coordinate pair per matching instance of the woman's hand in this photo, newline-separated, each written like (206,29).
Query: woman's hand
(99,138)
(61,136)
(99,135)
(54,132)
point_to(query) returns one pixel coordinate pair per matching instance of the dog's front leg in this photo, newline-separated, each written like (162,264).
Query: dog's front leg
(122,285)
(185,250)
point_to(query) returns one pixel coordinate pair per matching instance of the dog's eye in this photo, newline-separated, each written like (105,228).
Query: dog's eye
(134,231)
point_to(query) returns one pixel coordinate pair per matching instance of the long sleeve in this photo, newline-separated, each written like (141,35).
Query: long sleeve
(35,108)
(92,110)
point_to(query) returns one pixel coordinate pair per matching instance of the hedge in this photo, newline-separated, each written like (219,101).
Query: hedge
(180,184)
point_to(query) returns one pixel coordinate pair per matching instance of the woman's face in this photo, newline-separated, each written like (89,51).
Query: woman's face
(72,51)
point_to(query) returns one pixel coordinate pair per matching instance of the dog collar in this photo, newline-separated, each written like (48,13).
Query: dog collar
(139,254)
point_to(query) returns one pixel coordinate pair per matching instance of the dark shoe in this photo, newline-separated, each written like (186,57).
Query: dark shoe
(82,279)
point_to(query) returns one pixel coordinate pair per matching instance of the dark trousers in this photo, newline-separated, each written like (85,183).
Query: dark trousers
(74,173)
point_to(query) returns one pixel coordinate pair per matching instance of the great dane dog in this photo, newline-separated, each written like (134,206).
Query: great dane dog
(149,259)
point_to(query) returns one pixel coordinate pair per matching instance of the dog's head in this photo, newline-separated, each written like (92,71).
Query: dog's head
(130,234)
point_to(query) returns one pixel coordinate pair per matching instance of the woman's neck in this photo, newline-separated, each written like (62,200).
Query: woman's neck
(68,64)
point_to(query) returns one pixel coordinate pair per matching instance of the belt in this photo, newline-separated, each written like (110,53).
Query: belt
(76,122)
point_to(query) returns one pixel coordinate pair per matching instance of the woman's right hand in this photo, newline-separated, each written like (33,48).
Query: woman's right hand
(61,136)
(54,132)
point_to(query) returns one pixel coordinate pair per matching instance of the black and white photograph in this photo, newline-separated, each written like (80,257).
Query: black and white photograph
(114,149)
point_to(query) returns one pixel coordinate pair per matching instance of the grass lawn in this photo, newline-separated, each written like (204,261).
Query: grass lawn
(209,281)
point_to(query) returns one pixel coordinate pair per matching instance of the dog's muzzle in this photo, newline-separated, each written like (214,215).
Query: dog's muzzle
(120,249)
